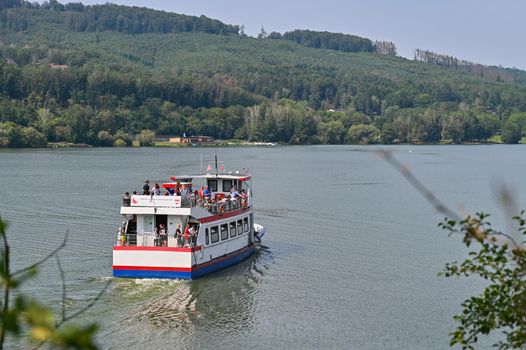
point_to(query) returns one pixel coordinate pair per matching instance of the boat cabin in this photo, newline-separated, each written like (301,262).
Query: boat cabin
(183,214)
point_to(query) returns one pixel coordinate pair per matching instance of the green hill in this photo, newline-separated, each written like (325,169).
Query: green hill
(95,74)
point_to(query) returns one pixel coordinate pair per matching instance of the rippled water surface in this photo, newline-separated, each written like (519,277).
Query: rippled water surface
(349,260)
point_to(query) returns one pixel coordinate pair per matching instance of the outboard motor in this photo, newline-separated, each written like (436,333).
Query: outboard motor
(259,232)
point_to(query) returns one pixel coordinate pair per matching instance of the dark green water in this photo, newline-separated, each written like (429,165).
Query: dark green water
(349,260)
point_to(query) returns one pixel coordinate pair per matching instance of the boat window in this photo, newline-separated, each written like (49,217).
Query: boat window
(224,232)
(212,185)
(233,231)
(245,222)
(214,234)
(240,227)
(148,223)
(227,185)
(207,237)
(251,221)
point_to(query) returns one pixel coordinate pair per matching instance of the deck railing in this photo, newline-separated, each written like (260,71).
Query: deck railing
(220,203)
(149,239)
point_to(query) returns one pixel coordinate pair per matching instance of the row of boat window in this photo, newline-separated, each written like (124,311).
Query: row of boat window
(227,185)
(236,228)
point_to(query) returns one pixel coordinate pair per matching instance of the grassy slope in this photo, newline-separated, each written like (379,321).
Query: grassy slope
(209,55)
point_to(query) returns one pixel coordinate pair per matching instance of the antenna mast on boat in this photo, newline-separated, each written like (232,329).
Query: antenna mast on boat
(216,165)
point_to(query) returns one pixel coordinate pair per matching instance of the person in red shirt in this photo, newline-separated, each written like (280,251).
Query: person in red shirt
(186,236)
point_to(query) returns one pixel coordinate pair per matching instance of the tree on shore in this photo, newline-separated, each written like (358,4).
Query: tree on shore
(511,133)
(147,138)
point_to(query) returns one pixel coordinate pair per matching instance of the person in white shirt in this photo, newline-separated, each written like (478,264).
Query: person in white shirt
(163,236)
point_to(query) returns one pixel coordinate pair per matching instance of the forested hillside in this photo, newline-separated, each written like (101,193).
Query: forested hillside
(100,74)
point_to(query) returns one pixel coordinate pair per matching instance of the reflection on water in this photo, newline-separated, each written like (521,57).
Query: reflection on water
(218,303)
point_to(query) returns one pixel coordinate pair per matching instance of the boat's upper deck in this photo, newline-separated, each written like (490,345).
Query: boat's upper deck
(217,193)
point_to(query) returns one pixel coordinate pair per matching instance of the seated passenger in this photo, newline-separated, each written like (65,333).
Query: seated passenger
(221,207)
(234,194)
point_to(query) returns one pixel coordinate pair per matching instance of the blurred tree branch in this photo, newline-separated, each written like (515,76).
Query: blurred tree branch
(26,315)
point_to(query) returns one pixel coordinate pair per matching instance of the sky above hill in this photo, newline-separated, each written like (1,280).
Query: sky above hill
(483,31)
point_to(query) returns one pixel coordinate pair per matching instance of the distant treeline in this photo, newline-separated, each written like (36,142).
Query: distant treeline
(133,20)
(494,73)
(332,41)
(101,87)
(124,19)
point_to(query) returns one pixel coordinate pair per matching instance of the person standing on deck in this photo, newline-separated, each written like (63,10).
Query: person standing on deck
(186,236)
(126,199)
(156,237)
(185,191)
(178,235)
(207,193)
(146,188)
(156,190)
(193,235)
(163,236)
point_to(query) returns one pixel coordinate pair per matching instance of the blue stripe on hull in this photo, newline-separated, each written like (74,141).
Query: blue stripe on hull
(197,271)
(224,263)
(152,274)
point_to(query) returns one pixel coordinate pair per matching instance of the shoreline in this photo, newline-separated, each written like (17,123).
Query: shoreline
(259,145)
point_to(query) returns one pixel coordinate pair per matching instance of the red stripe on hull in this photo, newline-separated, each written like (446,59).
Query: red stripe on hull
(223,216)
(161,249)
(152,268)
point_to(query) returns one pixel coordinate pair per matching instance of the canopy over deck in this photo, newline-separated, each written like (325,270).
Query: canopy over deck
(228,176)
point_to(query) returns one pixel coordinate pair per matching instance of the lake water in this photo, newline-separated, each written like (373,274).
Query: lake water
(350,258)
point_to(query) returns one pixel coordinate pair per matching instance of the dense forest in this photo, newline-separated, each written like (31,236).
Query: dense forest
(102,74)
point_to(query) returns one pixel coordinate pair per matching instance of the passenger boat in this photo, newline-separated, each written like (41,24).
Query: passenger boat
(156,239)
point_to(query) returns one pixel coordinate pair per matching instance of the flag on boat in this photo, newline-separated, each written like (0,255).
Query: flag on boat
(209,167)
(223,168)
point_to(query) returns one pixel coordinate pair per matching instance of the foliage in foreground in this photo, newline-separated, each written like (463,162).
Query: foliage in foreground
(21,314)
(500,260)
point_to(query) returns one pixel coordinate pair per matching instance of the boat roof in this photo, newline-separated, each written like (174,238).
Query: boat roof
(174,184)
(230,175)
